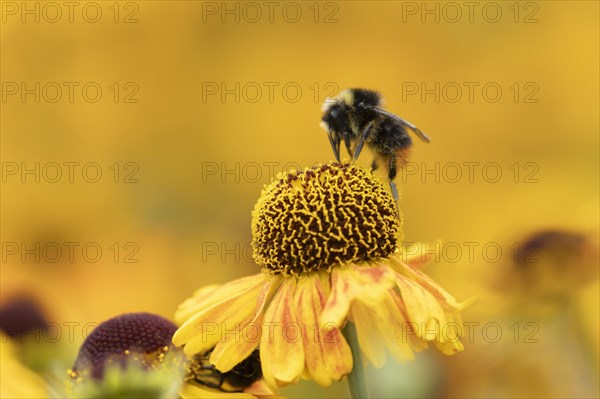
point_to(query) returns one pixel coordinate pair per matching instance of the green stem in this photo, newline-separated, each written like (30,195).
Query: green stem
(356,378)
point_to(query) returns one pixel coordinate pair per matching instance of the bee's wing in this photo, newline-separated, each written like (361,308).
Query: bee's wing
(409,125)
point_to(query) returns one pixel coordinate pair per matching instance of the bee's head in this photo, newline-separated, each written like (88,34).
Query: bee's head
(335,116)
(329,104)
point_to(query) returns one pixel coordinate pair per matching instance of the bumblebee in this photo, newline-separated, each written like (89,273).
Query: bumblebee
(356,116)
(244,374)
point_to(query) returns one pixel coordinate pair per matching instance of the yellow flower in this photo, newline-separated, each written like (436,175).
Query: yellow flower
(327,239)
(16,380)
(551,264)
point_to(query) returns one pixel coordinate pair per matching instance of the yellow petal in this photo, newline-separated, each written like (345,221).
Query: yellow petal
(190,306)
(281,350)
(369,338)
(18,381)
(419,259)
(236,347)
(409,328)
(393,328)
(383,326)
(327,354)
(422,308)
(191,391)
(210,325)
(260,389)
(211,295)
(450,348)
(451,333)
(369,284)
(423,280)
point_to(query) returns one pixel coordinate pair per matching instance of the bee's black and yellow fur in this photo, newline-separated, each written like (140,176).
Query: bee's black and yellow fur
(356,116)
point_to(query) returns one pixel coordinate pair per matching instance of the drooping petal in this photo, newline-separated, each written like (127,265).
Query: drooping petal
(393,328)
(369,284)
(213,294)
(369,338)
(236,347)
(435,289)
(281,349)
(449,344)
(409,328)
(206,328)
(382,327)
(417,259)
(191,305)
(422,308)
(190,391)
(261,390)
(327,354)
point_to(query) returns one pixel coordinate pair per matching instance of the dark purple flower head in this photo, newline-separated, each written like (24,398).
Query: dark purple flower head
(129,336)
(21,316)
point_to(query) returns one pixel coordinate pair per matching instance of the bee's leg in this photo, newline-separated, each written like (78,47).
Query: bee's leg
(374,165)
(361,141)
(394,191)
(334,140)
(392,169)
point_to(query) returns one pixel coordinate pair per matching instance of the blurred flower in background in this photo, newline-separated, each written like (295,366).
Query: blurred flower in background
(29,349)
(539,338)
(550,266)
(130,355)
(21,316)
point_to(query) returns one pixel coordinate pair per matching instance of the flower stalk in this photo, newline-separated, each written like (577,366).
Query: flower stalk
(356,378)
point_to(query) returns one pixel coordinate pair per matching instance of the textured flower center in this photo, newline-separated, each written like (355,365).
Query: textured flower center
(132,335)
(323,216)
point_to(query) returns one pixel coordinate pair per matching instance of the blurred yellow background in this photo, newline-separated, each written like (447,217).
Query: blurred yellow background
(136,137)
